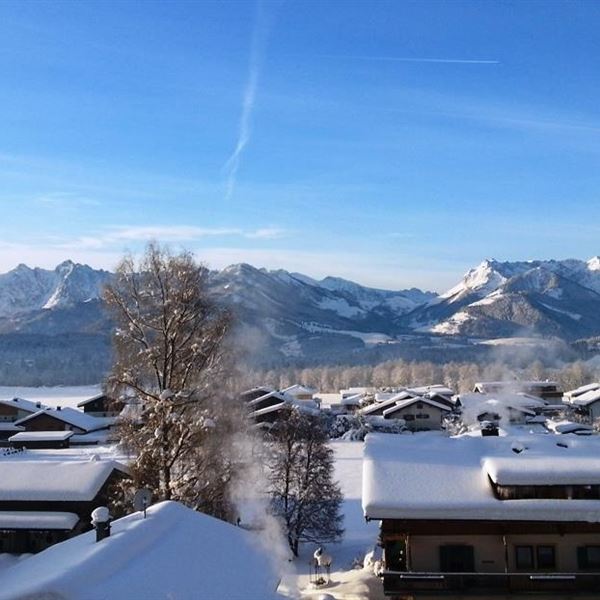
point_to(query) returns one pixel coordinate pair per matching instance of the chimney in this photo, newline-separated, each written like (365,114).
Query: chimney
(101,522)
(489,429)
(59,408)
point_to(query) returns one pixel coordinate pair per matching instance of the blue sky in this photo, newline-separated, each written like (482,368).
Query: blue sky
(393,143)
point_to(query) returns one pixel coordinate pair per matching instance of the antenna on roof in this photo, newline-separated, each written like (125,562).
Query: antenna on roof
(141,500)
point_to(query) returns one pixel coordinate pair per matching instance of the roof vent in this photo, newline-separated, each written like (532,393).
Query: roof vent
(59,408)
(38,405)
(517,447)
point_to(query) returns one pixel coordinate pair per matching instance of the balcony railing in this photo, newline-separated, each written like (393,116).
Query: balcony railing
(400,582)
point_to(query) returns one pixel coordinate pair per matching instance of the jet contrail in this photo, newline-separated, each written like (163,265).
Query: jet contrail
(256,54)
(460,61)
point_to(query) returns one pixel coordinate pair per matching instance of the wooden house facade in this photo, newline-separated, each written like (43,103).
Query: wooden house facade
(485,517)
(102,406)
(45,502)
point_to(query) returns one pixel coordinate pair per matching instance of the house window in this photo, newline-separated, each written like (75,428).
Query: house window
(524,557)
(419,405)
(588,557)
(422,416)
(457,559)
(545,557)
(409,417)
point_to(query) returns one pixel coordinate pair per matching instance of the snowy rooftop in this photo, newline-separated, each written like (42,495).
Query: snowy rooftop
(274,394)
(22,404)
(583,389)
(173,553)
(72,416)
(399,397)
(435,477)
(352,400)
(41,436)
(515,385)
(586,398)
(9,426)
(269,409)
(543,469)
(410,401)
(298,389)
(51,480)
(568,426)
(432,389)
(42,520)
(514,400)
(89,400)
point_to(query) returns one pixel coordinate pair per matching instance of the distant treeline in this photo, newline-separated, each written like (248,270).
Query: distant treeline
(67,359)
(460,376)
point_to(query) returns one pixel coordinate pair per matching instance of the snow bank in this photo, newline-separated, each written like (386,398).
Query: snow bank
(174,553)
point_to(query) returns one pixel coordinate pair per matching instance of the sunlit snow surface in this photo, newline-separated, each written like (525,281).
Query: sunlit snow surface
(173,553)
(52,396)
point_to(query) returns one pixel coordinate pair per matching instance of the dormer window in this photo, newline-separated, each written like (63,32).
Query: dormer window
(546,492)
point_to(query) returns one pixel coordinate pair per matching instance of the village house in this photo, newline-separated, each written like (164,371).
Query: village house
(64,419)
(264,417)
(577,392)
(266,410)
(503,408)
(440,393)
(17,408)
(43,502)
(41,440)
(101,406)
(587,403)
(377,409)
(419,414)
(7,430)
(485,516)
(267,400)
(255,392)
(300,392)
(546,390)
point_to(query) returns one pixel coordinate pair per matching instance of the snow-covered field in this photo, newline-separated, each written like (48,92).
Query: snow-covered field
(347,582)
(52,396)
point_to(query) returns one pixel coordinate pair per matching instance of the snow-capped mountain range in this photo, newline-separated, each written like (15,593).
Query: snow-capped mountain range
(291,318)
(503,299)
(24,289)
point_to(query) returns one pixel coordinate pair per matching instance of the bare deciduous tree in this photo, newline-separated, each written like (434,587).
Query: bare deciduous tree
(169,354)
(303,492)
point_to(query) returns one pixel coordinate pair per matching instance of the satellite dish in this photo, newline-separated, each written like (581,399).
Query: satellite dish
(142,500)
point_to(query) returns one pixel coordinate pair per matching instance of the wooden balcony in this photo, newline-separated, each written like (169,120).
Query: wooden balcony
(399,583)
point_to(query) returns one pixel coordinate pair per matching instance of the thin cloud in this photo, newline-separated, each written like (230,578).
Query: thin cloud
(408,59)
(267,233)
(257,48)
(165,233)
(64,200)
(172,233)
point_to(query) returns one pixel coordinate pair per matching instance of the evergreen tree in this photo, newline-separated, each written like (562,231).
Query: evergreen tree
(303,492)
